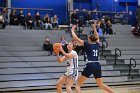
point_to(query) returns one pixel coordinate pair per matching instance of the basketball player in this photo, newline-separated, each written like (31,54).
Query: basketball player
(72,68)
(92,65)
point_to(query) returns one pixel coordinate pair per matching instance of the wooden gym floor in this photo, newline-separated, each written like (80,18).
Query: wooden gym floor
(117,89)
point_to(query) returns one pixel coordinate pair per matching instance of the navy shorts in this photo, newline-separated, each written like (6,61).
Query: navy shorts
(92,68)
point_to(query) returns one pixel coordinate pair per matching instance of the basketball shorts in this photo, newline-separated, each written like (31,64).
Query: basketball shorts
(92,68)
(72,73)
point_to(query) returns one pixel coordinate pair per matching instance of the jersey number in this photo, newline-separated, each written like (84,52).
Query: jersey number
(95,53)
(68,64)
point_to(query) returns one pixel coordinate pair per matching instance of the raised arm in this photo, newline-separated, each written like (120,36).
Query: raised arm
(75,37)
(95,31)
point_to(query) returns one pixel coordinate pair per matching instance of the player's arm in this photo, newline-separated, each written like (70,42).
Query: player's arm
(67,55)
(60,59)
(75,37)
(95,31)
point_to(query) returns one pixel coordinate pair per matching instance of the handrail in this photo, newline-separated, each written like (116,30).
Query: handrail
(116,55)
(130,65)
(103,46)
(100,12)
(27,8)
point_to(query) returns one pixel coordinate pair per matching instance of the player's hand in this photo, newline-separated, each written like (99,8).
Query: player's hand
(61,48)
(93,25)
(57,53)
(73,28)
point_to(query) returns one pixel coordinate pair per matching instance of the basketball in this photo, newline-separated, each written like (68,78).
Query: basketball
(56,47)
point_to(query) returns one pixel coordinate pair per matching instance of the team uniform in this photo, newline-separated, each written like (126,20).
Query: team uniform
(72,66)
(92,65)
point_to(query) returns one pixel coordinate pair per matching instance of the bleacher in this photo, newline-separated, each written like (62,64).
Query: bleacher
(25,66)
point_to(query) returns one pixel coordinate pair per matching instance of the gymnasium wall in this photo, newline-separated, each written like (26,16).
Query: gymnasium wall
(82,4)
(1,2)
(60,6)
(110,5)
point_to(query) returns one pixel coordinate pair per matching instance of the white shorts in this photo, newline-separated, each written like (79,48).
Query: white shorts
(73,73)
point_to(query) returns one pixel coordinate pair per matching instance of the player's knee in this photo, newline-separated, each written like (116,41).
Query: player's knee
(77,86)
(68,89)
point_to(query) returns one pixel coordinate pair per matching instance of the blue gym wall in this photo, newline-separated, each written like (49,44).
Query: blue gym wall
(1,2)
(60,7)
(82,4)
(109,5)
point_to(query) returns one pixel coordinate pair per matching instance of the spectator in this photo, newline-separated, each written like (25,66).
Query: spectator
(47,45)
(138,16)
(14,18)
(47,22)
(21,18)
(100,32)
(5,15)
(88,19)
(108,27)
(136,31)
(29,21)
(38,21)
(102,25)
(2,24)
(54,21)
(106,18)
(64,43)
(74,18)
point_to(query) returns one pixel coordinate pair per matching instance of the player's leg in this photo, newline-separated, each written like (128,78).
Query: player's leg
(69,84)
(97,72)
(84,76)
(103,86)
(80,82)
(60,83)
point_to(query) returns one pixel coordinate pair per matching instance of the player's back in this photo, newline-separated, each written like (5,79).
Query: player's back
(92,51)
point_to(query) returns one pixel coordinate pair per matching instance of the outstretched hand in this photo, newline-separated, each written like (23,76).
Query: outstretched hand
(73,28)
(93,25)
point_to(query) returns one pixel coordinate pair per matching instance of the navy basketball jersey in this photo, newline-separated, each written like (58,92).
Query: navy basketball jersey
(92,51)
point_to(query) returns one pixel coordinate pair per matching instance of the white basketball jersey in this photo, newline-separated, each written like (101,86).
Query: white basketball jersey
(72,65)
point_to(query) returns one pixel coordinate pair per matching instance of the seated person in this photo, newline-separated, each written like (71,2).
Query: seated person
(88,18)
(21,18)
(29,21)
(64,43)
(102,25)
(54,21)
(14,18)
(108,27)
(100,32)
(47,22)
(47,45)
(38,22)
(74,18)
(136,31)
(5,15)
(2,24)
